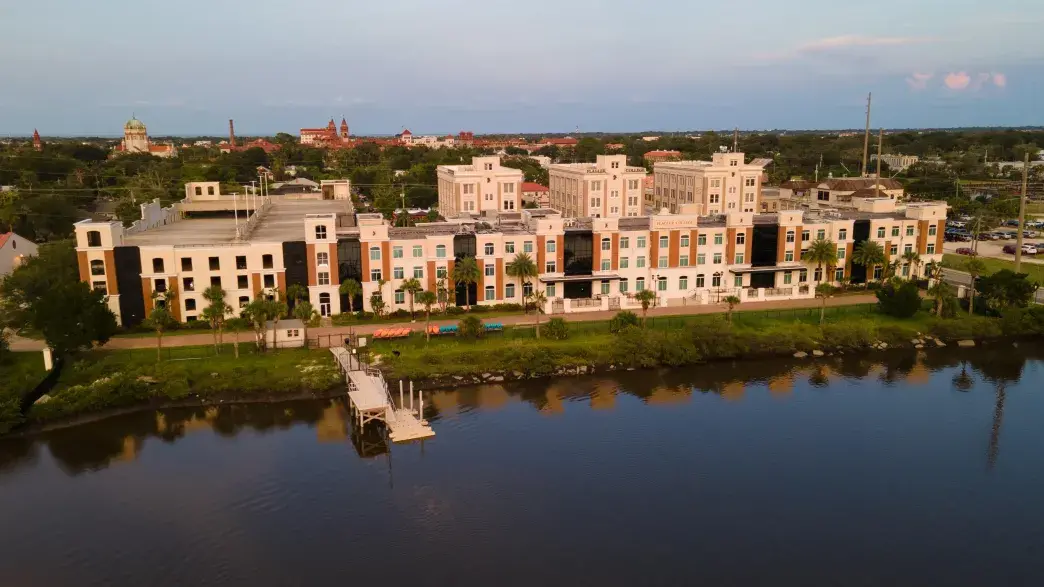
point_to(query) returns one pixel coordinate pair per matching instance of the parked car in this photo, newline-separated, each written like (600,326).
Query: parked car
(1029,234)
(966,251)
(1029,250)
(998,235)
(1009,249)
(1011,223)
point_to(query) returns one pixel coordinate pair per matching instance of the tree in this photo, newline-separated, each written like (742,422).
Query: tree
(296,292)
(1006,289)
(377,304)
(899,298)
(412,287)
(522,268)
(914,259)
(216,312)
(870,255)
(351,288)
(731,301)
(442,294)
(822,252)
(161,318)
(646,297)
(427,299)
(304,312)
(260,312)
(823,291)
(466,271)
(975,267)
(539,301)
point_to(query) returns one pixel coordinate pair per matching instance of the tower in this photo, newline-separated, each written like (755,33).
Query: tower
(37,144)
(344,129)
(231,134)
(331,127)
(135,137)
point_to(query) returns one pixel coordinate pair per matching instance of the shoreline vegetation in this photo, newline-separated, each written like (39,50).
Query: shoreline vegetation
(100,383)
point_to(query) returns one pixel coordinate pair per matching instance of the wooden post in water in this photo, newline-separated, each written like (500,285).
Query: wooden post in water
(411,395)
(401,403)
(420,410)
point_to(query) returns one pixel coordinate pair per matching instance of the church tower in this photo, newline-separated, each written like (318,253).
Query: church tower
(37,143)
(344,129)
(135,137)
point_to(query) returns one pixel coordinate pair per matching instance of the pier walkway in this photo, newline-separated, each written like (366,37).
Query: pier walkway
(371,400)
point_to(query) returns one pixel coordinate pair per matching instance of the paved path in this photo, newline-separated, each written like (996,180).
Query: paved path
(204,338)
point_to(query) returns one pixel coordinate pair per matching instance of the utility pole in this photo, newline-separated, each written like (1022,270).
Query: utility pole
(877,180)
(735,140)
(1022,211)
(866,135)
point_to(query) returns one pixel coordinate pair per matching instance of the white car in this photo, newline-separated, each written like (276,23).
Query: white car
(1029,249)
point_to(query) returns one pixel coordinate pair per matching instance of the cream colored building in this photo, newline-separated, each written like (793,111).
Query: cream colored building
(607,188)
(483,186)
(897,162)
(14,250)
(136,140)
(722,185)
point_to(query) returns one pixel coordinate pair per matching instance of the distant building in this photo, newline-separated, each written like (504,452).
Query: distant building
(607,188)
(658,156)
(724,184)
(136,140)
(37,143)
(484,185)
(14,250)
(536,193)
(326,136)
(614,146)
(897,162)
(562,142)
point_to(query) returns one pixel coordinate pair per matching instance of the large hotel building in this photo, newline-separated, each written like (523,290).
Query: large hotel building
(251,248)
(722,185)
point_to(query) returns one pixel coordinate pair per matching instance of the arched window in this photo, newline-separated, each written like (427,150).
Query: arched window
(375,253)
(157,265)
(93,238)
(324,304)
(606,244)
(199,190)
(97,267)
(440,251)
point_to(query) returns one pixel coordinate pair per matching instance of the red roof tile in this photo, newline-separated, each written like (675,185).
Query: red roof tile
(4,237)
(529,186)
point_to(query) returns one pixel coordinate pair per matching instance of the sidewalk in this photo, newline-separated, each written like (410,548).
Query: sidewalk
(205,338)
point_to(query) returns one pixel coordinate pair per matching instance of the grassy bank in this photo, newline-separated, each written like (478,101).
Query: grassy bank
(102,380)
(960,263)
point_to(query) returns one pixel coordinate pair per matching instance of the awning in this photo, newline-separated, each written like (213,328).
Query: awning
(567,278)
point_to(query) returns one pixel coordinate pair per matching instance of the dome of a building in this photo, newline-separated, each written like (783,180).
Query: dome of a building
(134,124)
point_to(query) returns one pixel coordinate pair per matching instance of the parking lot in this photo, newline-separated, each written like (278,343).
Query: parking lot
(994,249)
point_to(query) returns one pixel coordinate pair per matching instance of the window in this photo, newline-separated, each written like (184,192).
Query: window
(737,281)
(509,247)
(839,274)
(469,188)
(790,236)
(906,270)
(210,190)
(509,290)
(909,231)
(241,262)
(683,283)
(664,242)
(818,275)
(719,238)
(375,253)
(396,252)
(186,263)
(881,232)
(701,281)
(549,267)
(683,261)
(440,251)
(878,272)
(623,286)
(820,234)
(375,275)
(931,249)
(908,249)
(242,282)
(739,258)
(661,284)
(717,258)
(840,253)
(322,259)
(527,247)
(527,289)
(932,230)
(97,267)
(701,240)
(606,266)
(624,262)
(823,196)
(269,281)
(488,248)
(683,241)
(716,280)
(400,296)
(895,231)
(397,273)
(639,284)
(418,251)
(894,250)
(715,198)
(701,258)
(490,293)
(662,261)
(625,242)
(99,286)
(550,246)
(266,261)
(190,304)
(215,280)
(215,263)
(157,265)
(188,284)
(550,290)
(842,234)
(199,191)
(93,238)
(244,301)
(803,276)
(805,235)
(441,272)
(418,272)
(320,232)
(741,238)
(640,262)
(607,244)
(749,182)
(788,277)
(640,242)
(488,270)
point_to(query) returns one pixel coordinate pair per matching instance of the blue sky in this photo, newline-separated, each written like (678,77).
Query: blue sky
(187,66)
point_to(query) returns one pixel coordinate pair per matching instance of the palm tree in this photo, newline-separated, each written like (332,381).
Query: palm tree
(940,292)
(893,268)
(377,303)
(351,288)
(161,318)
(522,268)
(296,292)
(914,260)
(216,312)
(731,301)
(869,254)
(412,286)
(259,312)
(646,297)
(539,301)
(466,271)
(975,268)
(304,312)
(442,294)
(427,299)
(822,252)
(823,291)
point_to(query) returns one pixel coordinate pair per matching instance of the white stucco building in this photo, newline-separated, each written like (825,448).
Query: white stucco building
(483,186)
(607,188)
(724,184)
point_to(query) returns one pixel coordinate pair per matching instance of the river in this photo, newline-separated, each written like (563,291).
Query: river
(897,469)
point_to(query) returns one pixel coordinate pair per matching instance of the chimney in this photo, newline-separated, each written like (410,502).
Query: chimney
(231,133)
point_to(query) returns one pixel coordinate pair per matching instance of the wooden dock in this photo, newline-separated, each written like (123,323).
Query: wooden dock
(371,400)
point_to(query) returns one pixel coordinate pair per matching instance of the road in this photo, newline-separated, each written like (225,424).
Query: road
(994,249)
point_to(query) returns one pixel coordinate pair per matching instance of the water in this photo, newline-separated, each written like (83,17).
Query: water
(854,472)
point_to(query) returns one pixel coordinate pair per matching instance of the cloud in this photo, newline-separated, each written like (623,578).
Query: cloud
(845,41)
(1000,80)
(919,81)
(957,81)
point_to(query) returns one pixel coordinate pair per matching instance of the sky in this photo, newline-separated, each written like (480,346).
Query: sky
(184,67)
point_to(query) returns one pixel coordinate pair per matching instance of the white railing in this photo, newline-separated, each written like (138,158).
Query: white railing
(585,303)
(775,292)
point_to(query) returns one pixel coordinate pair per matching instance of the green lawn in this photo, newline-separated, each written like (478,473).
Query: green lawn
(21,373)
(959,262)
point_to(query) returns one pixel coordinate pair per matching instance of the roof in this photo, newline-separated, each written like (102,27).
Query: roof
(663,154)
(854,183)
(134,123)
(529,186)
(798,184)
(406,132)
(4,237)
(565,141)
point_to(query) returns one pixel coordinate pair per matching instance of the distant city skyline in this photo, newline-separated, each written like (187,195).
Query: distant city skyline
(494,67)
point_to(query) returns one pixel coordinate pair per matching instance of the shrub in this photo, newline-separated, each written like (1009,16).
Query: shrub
(471,328)
(899,301)
(716,340)
(635,348)
(849,335)
(400,313)
(970,327)
(622,320)
(555,329)
(507,307)
(454,311)
(1023,321)
(481,309)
